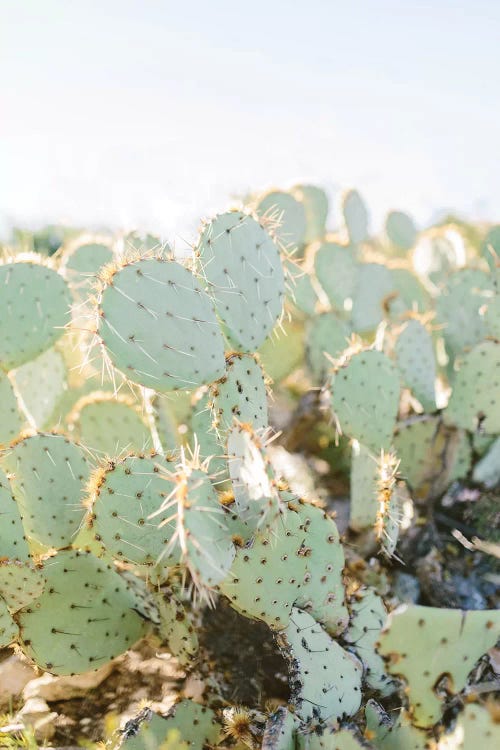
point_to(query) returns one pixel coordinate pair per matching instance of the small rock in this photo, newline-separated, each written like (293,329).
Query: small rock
(52,688)
(36,714)
(15,673)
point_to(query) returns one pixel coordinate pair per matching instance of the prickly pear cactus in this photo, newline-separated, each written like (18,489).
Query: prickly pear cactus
(84,617)
(208,396)
(365,398)
(158,326)
(196,724)
(355,216)
(438,636)
(30,321)
(244,277)
(12,537)
(326,679)
(48,476)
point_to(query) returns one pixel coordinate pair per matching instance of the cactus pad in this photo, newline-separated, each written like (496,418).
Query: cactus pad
(48,476)
(327,335)
(41,384)
(241,394)
(400,230)
(355,215)
(365,399)
(158,326)
(438,636)
(124,496)
(20,583)
(473,404)
(8,628)
(279,733)
(12,540)
(11,418)
(177,628)
(368,616)
(325,679)
(397,735)
(109,424)
(34,308)
(289,213)
(373,289)
(322,592)
(84,618)
(255,495)
(242,267)
(416,362)
(197,726)
(336,270)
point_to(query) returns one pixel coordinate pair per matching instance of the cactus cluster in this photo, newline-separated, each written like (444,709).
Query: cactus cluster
(138,480)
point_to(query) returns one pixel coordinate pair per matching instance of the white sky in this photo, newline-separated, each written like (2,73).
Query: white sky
(153,113)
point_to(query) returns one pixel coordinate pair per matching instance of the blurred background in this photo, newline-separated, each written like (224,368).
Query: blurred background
(154,113)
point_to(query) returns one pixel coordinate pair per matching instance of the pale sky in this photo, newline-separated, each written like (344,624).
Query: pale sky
(153,113)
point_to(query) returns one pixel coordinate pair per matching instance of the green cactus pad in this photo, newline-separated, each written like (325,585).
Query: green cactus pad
(365,399)
(492,317)
(158,326)
(430,454)
(301,291)
(473,404)
(487,470)
(336,269)
(12,420)
(416,362)
(374,287)
(177,628)
(363,484)
(34,308)
(458,308)
(84,618)
(124,496)
(400,230)
(166,422)
(197,726)
(297,560)
(397,735)
(203,536)
(49,473)
(256,499)
(289,213)
(109,424)
(409,293)
(265,577)
(242,268)
(475,728)
(8,628)
(438,636)
(280,730)
(12,539)
(83,261)
(315,203)
(368,616)
(208,438)
(41,384)
(325,679)
(20,583)
(355,215)
(327,334)
(332,739)
(280,355)
(490,247)
(322,592)
(241,394)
